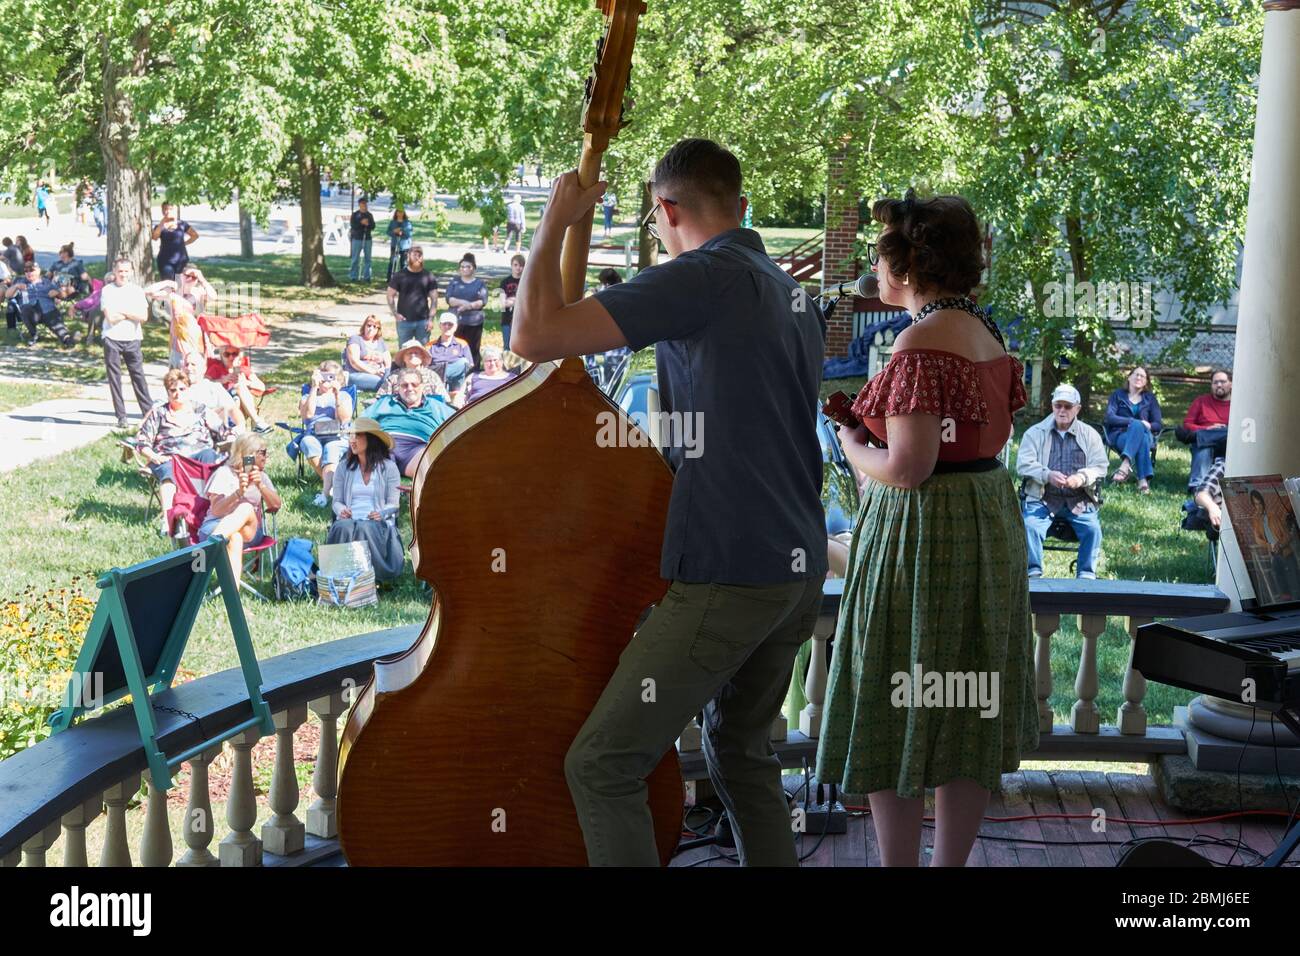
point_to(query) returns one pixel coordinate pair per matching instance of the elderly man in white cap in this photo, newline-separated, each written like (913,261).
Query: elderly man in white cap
(1061,458)
(452,353)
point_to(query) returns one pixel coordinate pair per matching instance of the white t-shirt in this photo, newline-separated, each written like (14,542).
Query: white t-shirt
(115,299)
(209,393)
(225,482)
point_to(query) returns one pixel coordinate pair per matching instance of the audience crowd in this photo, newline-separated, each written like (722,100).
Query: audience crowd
(365,418)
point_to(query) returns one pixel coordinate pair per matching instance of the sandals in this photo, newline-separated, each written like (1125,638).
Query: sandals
(1121,475)
(1144,487)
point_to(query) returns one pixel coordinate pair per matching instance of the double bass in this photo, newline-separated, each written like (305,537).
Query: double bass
(453,753)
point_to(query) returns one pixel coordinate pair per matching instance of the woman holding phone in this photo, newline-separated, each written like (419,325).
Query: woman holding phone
(240,493)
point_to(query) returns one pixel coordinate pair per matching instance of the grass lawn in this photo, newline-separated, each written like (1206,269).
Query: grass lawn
(19,394)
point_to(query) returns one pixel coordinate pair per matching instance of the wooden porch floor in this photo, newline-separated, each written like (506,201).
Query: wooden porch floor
(1047,842)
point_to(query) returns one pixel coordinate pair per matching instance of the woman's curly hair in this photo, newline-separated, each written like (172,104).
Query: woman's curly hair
(936,241)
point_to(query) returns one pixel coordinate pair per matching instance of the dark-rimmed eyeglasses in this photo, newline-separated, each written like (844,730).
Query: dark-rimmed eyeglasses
(873,254)
(648,223)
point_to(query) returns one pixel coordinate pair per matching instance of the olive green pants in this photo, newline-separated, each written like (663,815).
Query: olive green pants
(727,650)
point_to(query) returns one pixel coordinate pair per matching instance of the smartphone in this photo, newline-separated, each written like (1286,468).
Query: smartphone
(249,461)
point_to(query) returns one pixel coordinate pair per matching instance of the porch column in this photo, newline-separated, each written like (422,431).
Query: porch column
(1265,418)
(1266,372)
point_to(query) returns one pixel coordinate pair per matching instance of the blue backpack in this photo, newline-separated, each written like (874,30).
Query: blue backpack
(295,570)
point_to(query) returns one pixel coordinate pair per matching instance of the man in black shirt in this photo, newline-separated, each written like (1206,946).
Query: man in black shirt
(412,296)
(739,349)
(363,224)
(509,289)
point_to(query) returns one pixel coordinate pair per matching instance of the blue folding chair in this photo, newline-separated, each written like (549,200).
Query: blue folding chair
(299,431)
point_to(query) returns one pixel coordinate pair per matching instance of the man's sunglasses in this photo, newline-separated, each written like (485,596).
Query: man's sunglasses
(648,223)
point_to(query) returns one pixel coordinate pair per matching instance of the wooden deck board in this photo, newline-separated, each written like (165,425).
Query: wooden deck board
(1096,848)
(1040,793)
(1032,792)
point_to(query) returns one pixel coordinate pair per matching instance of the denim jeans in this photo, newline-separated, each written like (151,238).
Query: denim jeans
(1087,526)
(1207,445)
(418,330)
(1135,444)
(364,381)
(728,650)
(360,246)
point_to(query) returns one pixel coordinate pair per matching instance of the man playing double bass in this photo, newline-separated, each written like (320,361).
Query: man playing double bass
(739,352)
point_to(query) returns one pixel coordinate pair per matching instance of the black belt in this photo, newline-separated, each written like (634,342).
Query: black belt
(974,464)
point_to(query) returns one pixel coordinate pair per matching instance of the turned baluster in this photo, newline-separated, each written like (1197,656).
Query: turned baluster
(1045,625)
(322,815)
(284,833)
(814,685)
(1132,716)
(74,831)
(197,828)
(1084,716)
(35,847)
(116,851)
(156,842)
(241,847)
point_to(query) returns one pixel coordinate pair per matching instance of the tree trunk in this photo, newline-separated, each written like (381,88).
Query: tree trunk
(647,248)
(245,231)
(1085,344)
(129,188)
(314,271)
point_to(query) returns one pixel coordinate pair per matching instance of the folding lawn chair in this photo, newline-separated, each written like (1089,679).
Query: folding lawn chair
(190,508)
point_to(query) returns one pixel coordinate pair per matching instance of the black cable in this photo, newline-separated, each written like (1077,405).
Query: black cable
(1241,801)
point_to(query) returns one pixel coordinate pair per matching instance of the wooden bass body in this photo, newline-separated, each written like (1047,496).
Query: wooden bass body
(542,548)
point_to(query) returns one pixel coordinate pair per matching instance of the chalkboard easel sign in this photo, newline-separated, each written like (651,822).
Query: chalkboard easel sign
(137,634)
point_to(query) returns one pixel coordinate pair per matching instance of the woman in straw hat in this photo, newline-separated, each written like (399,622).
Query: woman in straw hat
(366,498)
(416,356)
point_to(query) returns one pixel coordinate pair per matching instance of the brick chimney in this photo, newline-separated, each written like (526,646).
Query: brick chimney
(838,262)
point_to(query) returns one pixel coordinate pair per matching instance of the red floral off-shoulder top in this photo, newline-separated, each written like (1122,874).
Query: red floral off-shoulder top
(979,398)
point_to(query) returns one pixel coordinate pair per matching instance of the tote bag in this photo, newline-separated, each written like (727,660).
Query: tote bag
(346,577)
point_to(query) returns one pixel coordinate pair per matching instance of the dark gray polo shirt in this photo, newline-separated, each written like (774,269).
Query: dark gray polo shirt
(739,355)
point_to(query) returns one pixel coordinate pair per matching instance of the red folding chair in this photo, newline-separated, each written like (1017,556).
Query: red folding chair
(190,508)
(241,331)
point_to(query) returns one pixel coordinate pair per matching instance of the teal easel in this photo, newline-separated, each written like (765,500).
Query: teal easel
(136,636)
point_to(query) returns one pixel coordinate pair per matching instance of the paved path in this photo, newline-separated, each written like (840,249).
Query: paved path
(53,427)
(219,233)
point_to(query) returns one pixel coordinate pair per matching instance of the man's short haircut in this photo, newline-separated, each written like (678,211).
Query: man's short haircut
(519,258)
(1221,371)
(121,260)
(699,172)
(410,373)
(416,250)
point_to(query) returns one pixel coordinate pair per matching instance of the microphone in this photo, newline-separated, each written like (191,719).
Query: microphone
(865,286)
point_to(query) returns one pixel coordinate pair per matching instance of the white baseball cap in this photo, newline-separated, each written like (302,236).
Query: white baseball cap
(1066,393)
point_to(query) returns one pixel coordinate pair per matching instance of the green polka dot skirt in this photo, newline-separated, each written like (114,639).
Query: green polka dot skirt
(932,674)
